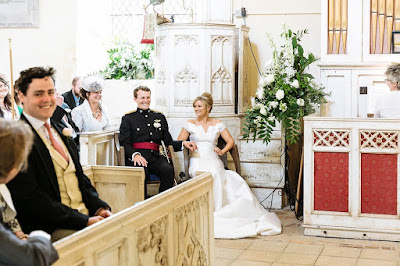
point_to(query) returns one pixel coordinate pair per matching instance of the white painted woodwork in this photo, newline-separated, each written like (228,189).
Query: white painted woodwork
(351,224)
(196,58)
(343,81)
(172,228)
(344,74)
(119,186)
(98,148)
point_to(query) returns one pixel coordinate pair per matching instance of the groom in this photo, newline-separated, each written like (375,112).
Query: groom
(142,132)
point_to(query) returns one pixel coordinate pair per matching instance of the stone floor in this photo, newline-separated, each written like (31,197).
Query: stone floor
(293,248)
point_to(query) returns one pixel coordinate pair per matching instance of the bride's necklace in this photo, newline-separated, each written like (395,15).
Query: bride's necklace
(97,113)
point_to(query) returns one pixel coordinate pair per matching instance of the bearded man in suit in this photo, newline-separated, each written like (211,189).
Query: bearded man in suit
(53,195)
(72,97)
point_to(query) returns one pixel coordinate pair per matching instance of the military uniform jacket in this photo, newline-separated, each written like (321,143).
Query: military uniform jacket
(145,126)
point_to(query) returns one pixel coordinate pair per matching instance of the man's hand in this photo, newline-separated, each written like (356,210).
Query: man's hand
(59,99)
(139,160)
(94,219)
(104,213)
(191,145)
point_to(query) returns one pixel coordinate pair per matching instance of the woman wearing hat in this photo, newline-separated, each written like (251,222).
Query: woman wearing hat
(91,115)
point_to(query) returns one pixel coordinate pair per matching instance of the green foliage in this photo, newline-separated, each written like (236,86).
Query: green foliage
(127,61)
(286,92)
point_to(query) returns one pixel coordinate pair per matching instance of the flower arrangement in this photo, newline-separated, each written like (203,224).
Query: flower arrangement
(286,91)
(129,62)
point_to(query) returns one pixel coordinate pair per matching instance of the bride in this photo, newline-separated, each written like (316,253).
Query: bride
(237,212)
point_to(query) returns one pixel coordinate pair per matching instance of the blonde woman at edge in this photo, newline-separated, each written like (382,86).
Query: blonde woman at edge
(237,212)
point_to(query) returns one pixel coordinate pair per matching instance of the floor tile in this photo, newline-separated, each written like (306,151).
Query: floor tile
(335,261)
(249,263)
(369,262)
(234,243)
(304,249)
(379,253)
(275,246)
(227,253)
(298,259)
(223,262)
(341,252)
(258,255)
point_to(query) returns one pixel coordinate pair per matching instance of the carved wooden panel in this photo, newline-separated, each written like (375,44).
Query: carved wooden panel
(152,243)
(190,231)
(380,140)
(186,69)
(221,70)
(161,73)
(331,138)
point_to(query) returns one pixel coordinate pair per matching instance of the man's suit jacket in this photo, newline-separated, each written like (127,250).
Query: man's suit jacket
(69,99)
(36,193)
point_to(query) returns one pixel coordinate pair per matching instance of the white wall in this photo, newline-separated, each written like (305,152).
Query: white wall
(52,44)
(267,16)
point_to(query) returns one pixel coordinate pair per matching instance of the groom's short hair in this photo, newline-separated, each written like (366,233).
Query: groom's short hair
(140,88)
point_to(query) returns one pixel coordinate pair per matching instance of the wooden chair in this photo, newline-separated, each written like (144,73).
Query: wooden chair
(234,152)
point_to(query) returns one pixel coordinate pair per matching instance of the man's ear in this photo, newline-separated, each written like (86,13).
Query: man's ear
(21,96)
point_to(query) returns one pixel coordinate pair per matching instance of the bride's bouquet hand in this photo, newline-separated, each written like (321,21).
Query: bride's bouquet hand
(218,151)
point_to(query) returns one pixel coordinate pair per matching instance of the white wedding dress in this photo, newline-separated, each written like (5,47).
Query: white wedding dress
(237,212)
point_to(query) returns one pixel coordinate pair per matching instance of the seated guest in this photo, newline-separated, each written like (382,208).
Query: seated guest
(141,134)
(72,97)
(91,115)
(388,105)
(63,117)
(5,102)
(54,194)
(17,248)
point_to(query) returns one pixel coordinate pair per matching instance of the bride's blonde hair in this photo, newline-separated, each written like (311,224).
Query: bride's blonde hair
(205,98)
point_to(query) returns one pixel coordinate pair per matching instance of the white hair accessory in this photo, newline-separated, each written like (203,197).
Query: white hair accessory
(93,84)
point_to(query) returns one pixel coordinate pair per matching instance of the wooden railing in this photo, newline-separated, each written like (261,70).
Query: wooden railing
(172,228)
(119,186)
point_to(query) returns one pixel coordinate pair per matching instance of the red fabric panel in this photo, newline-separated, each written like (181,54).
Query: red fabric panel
(331,181)
(379,183)
(150,41)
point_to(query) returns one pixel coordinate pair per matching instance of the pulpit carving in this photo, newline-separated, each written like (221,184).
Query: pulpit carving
(152,243)
(380,140)
(188,221)
(331,138)
(186,40)
(221,78)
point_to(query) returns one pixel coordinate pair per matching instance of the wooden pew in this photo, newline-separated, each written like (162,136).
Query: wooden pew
(120,187)
(175,227)
(98,148)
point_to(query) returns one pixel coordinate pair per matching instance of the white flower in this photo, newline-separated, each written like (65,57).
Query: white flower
(157,123)
(262,82)
(271,118)
(263,111)
(269,79)
(260,93)
(295,84)
(300,102)
(282,107)
(67,132)
(253,101)
(273,104)
(280,94)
